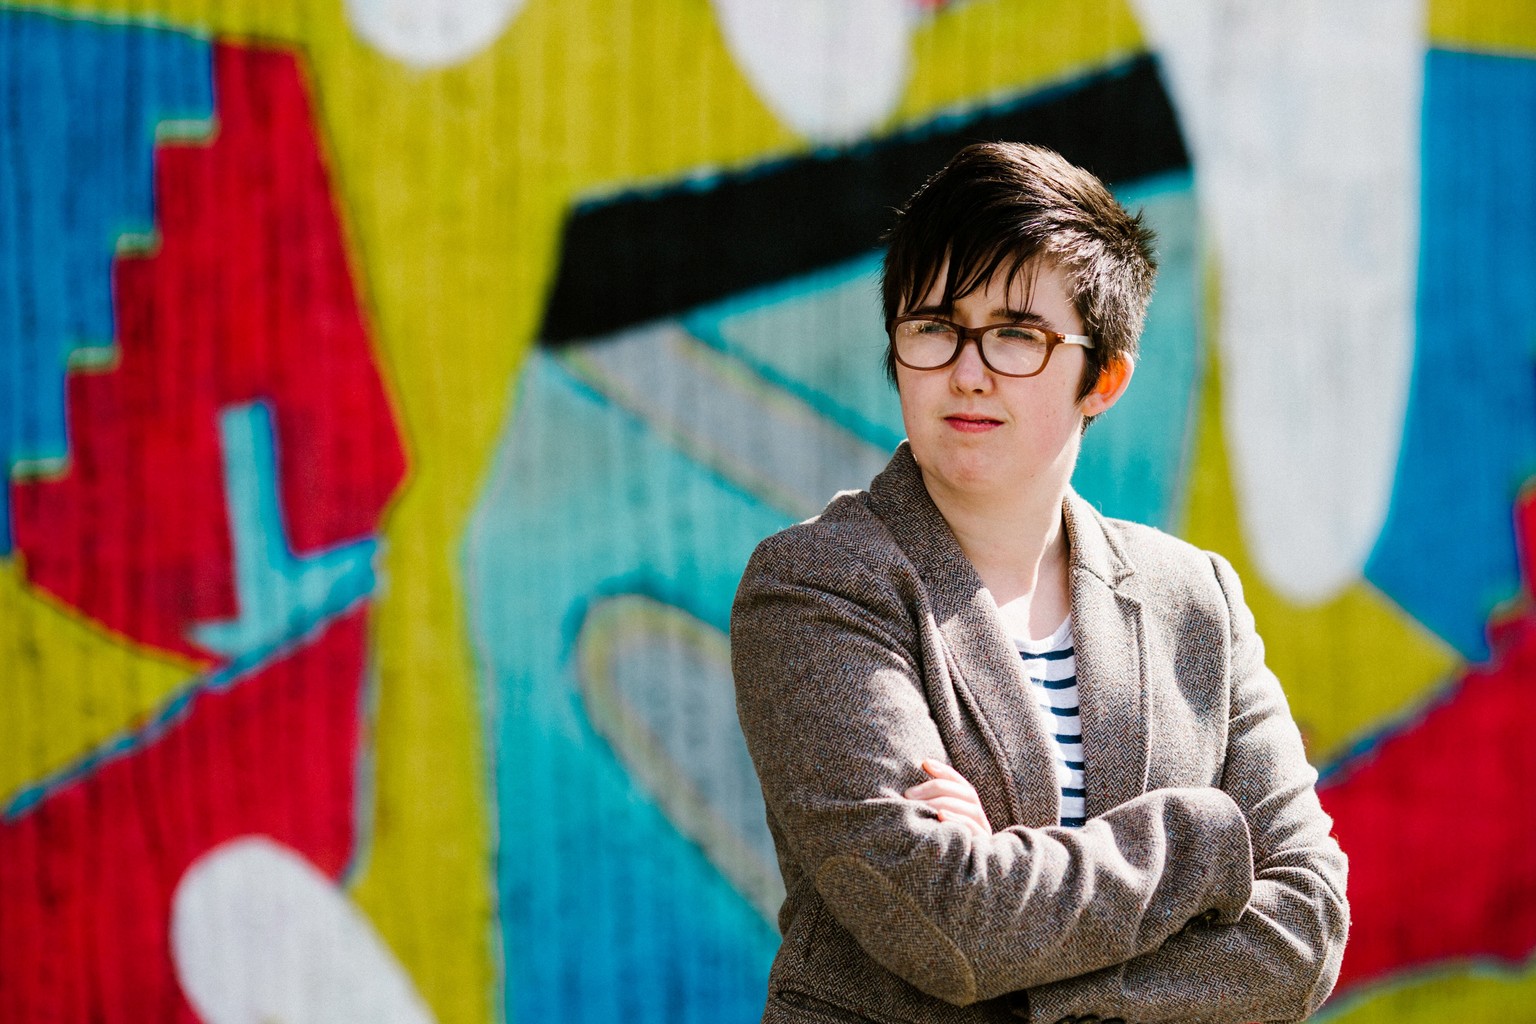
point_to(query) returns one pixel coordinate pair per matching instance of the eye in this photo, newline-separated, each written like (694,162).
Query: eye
(1021,332)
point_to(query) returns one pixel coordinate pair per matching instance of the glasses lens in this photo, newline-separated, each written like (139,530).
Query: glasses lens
(1018,349)
(925,344)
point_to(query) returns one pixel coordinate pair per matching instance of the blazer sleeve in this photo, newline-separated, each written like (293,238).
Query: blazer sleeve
(833,708)
(1280,959)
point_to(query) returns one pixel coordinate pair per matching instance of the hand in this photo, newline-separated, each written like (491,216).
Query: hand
(951,796)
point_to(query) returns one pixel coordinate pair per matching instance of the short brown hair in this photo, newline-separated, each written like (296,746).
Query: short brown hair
(1004,206)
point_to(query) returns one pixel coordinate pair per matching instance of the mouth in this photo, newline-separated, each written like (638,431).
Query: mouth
(971,424)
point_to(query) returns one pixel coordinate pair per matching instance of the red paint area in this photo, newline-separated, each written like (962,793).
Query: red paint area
(1438,821)
(86,878)
(250,296)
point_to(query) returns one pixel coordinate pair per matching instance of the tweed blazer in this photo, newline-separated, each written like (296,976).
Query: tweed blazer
(1205,885)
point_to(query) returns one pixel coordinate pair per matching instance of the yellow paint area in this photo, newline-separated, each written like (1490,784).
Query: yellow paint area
(1491,26)
(68,685)
(1348,664)
(989,48)
(1467,994)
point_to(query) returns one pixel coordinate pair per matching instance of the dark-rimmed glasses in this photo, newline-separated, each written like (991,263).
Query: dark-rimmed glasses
(1012,350)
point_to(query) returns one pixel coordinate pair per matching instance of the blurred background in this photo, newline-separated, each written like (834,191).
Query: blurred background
(392,392)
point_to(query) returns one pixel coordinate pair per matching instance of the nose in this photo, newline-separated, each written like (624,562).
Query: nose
(968,374)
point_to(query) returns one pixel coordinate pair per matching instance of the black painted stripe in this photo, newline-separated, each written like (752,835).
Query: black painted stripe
(643,255)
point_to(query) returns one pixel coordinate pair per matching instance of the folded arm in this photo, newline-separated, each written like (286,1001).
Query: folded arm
(1279,961)
(835,716)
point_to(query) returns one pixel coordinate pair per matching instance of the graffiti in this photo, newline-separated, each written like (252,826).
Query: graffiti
(198,504)
(394,393)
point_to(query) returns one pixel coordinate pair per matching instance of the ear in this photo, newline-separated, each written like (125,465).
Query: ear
(1112,382)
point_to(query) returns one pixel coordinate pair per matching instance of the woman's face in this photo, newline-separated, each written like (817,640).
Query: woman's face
(976,433)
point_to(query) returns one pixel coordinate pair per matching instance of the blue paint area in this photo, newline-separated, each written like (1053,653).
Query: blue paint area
(1447,552)
(80,102)
(608,912)
(1135,458)
(280,595)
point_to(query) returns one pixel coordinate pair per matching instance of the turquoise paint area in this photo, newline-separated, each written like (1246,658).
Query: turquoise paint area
(282,596)
(1447,554)
(1135,458)
(80,106)
(608,911)
(821,338)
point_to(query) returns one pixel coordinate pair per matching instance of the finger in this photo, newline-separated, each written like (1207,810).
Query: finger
(960,808)
(954,806)
(965,821)
(939,787)
(940,770)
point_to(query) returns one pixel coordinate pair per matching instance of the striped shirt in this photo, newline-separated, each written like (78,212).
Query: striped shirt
(1051,665)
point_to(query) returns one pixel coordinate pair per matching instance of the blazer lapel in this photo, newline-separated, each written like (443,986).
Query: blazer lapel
(1111,655)
(987,671)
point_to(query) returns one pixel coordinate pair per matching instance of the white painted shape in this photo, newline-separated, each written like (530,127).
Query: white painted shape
(1303,119)
(431,33)
(831,69)
(259,935)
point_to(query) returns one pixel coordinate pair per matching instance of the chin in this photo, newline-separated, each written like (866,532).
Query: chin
(969,472)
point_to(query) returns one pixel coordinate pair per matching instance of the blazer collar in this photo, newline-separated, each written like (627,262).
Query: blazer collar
(990,677)
(1092,549)
(1113,696)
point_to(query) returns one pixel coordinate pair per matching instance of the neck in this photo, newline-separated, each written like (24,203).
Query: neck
(1017,543)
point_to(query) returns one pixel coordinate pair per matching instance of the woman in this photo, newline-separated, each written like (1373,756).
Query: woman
(1022,761)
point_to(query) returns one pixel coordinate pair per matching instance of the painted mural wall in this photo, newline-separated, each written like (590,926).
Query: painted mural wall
(391,395)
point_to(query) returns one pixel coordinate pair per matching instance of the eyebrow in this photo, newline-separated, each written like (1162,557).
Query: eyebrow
(1000,315)
(996,316)
(1020,316)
